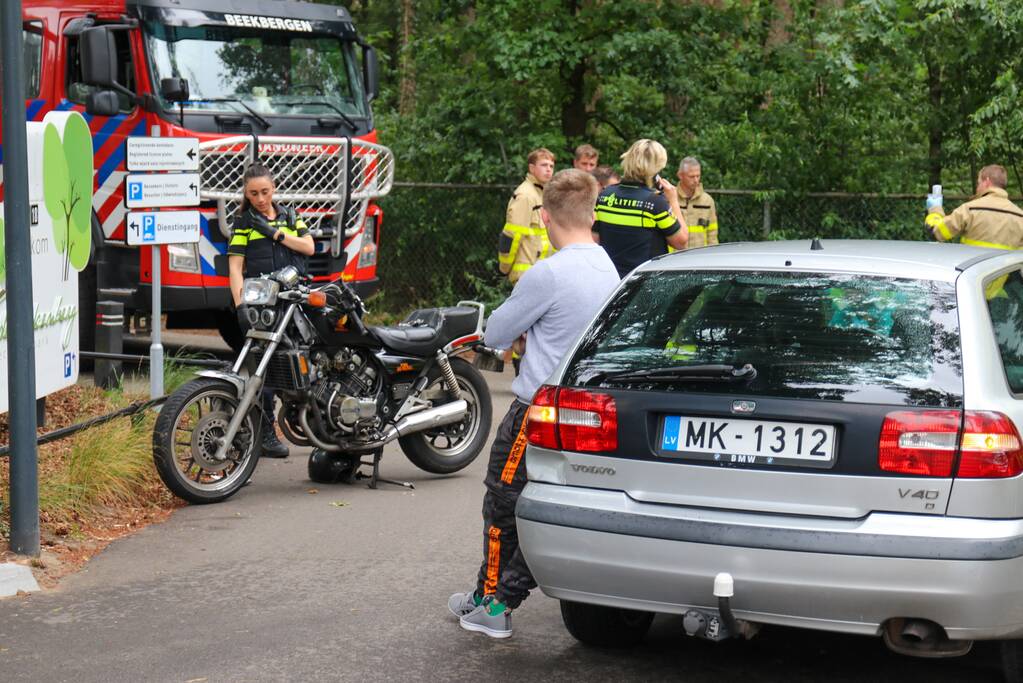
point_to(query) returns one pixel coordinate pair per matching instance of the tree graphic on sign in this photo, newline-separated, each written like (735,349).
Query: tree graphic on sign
(67,190)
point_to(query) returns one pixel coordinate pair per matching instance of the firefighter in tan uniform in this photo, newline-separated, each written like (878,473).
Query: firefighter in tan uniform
(989,220)
(697,206)
(524,237)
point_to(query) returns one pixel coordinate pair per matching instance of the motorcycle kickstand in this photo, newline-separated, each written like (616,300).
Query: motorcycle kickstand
(375,478)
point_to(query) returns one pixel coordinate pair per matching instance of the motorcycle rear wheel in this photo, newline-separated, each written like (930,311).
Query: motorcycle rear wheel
(185,441)
(449,448)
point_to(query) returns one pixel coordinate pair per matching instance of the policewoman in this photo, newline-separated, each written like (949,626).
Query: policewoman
(638,218)
(266,237)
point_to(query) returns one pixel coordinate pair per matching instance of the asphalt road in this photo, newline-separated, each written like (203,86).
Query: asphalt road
(291,580)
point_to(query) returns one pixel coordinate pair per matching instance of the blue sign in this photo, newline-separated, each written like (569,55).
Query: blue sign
(135,191)
(149,228)
(69,364)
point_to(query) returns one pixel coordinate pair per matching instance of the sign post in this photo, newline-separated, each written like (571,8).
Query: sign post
(154,228)
(24,484)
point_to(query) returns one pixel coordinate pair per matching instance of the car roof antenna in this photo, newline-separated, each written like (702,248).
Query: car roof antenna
(816,244)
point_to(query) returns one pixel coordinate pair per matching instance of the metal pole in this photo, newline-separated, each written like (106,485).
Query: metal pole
(767,219)
(156,348)
(21,377)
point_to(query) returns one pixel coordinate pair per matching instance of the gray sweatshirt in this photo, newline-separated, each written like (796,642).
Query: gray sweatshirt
(552,303)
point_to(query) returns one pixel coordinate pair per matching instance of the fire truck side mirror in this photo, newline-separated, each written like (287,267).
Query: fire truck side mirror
(371,72)
(174,89)
(99,57)
(102,103)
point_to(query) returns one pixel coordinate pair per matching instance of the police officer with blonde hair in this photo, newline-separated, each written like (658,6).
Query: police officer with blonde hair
(698,207)
(524,238)
(988,220)
(638,218)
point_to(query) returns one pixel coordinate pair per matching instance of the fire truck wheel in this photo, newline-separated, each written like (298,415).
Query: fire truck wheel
(227,325)
(87,313)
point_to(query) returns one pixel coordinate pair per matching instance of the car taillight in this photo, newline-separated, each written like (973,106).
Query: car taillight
(924,443)
(573,420)
(542,418)
(919,442)
(991,446)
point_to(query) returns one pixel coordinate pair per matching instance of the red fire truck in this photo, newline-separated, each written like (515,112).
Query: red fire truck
(283,82)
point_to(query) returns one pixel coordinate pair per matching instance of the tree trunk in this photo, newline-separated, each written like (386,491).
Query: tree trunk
(573,107)
(407,89)
(936,130)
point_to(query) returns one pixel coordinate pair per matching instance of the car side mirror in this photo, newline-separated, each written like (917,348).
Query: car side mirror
(174,89)
(371,72)
(99,57)
(102,103)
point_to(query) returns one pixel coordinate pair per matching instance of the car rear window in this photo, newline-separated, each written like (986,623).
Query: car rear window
(1005,303)
(832,337)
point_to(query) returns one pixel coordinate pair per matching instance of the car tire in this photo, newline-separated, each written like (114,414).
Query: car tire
(1012,660)
(605,626)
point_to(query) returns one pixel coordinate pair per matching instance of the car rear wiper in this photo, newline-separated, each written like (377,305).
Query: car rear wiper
(252,112)
(689,373)
(306,103)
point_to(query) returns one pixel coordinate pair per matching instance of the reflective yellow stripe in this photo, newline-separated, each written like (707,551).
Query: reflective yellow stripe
(634,221)
(712,226)
(521,266)
(509,258)
(523,230)
(936,220)
(697,229)
(996,288)
(989,245)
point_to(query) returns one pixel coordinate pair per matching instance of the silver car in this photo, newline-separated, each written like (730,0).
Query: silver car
(822,435)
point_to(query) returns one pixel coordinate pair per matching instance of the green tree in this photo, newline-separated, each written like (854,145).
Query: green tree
(67,190)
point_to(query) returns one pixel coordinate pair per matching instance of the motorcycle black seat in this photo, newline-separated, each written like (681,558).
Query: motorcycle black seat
(426,330)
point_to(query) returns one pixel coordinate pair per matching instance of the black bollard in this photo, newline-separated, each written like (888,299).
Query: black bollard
(109,339)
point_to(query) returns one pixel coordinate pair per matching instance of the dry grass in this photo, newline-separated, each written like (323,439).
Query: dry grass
(94,486)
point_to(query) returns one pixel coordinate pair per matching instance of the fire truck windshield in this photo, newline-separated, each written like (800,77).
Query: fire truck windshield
(235,68)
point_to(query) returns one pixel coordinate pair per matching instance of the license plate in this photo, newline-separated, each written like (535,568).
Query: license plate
(751,442)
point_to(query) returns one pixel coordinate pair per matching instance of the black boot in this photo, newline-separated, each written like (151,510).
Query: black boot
(272,446)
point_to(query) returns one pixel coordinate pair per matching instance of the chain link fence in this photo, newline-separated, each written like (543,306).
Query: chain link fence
(439,241)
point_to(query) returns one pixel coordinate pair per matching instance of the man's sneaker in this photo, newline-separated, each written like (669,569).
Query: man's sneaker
(480,620)
(272,447)
(461,604)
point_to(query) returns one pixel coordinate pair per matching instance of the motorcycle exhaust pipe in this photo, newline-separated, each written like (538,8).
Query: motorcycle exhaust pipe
(447,413)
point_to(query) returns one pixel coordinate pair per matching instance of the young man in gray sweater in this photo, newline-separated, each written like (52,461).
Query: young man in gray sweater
(551,305)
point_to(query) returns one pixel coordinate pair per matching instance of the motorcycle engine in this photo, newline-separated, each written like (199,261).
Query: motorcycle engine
(347,394)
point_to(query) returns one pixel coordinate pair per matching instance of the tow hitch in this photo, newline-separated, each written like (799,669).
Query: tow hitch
(722,624)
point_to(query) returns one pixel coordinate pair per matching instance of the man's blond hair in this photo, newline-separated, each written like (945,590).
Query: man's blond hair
(996,174)
(539,153)
(570,197)
(586,152)
(643,161)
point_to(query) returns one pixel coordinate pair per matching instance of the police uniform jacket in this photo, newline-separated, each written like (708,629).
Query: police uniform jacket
(262,254)
(634,223)
(701,217)
(990,220)
(524,238)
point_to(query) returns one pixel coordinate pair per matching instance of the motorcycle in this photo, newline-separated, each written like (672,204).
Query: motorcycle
(346,390)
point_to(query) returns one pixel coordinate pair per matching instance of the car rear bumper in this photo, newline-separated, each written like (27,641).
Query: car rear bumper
(850,576)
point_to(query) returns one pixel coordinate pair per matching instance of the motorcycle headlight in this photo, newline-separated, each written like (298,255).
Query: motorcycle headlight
(267,317)
(287,276)
(260,292)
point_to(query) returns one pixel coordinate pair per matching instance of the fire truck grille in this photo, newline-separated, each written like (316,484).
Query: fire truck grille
(321,178)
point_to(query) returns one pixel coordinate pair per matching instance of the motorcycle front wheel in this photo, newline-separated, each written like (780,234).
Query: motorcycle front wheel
(185,439)
(449,448)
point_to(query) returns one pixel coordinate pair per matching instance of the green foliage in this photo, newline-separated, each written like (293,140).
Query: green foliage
(67,188)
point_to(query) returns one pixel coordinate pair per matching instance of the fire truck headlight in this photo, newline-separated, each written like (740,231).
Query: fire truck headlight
(184,258)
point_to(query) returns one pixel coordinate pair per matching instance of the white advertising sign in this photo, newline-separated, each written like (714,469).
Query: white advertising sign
(59,166)
(162,227)
(163,154)
(144,191)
